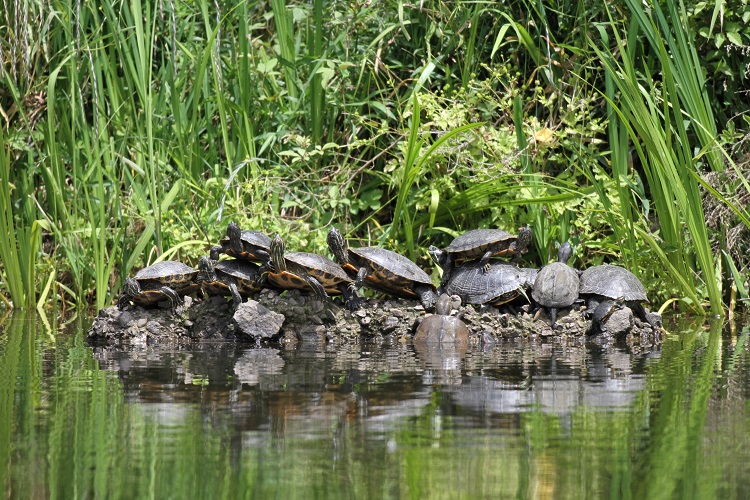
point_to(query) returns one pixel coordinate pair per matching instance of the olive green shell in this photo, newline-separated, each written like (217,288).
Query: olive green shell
(323,269)
(388,271)
(501,284)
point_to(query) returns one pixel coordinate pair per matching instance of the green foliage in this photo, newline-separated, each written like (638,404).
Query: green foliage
(140,129)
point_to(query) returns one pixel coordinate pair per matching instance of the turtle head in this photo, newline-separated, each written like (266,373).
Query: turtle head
(337,245)
(234,233)
(277,254)
(207,270)
(564,253)
(437,255)
(443,305)
(131,287)
(523,240)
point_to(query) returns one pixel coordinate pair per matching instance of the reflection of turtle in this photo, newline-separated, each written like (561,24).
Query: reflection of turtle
(501,284)
(441,327)
(307,271)
(246,245)
(556,286)
(613,282)
(167,280)
(383,270)
(482,244)
(237,278)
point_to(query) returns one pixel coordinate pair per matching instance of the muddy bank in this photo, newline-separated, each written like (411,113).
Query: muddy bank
(295,317)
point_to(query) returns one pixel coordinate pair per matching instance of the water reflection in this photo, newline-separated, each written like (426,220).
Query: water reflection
(513,419)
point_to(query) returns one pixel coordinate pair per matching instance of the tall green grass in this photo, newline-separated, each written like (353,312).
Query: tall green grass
(659,119)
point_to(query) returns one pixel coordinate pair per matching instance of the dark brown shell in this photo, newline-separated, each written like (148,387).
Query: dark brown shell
(389,271)
(475,243)
(172,273)
(252,241)
(556,285)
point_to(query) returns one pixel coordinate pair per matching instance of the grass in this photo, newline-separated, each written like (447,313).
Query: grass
(161,121)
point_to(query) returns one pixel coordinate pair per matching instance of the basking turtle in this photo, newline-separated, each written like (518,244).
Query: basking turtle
(482,244)
(556,286)
(383,270)
(234,277)
(166,280)
(441,327)
(501,284)
(307,271)
(604,310)
(246,245)
(603,282)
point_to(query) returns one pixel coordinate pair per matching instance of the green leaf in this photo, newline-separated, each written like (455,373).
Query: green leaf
(734,37)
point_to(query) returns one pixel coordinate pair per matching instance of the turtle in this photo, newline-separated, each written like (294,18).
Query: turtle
(441,327)
(557,284)
(482,244)
(235,277)
(606,281)
(307,270)
(249,245)
(167,280)
(383,270)
(500,285)
(604,310)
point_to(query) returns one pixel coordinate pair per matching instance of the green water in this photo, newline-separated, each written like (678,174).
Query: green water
(510,421)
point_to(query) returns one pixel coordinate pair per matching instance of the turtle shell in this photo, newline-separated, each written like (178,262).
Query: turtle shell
(475,243)
(501,284)
(556,285)
(388,271)
(172,273)
(245,275)
(612,282)
(252,242)
(323,269)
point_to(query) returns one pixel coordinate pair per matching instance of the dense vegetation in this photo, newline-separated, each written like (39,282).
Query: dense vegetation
(135,131)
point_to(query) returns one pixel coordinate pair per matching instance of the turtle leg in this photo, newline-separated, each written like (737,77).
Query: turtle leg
(447,265)
(265,259)
(123,301)
(553,316)
(359,281)
(236,297)
(214,253)
(427,295)
(172,296)
(352,300)
(485,261)
(642,314)
(317,287)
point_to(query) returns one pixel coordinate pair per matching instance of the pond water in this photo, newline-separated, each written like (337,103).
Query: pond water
(512,420)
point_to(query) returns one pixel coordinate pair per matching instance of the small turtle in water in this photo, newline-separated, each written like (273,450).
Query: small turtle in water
(383,270)
(482,244)
(441,327)
(603,282)
(557,284)
(238,278)
(500,285)
(167,280)
(304,270)
(246,245)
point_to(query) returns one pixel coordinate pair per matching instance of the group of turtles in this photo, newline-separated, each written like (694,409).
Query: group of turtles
(470,268)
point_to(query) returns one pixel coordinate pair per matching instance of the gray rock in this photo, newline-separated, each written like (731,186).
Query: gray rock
(620,321)
(125,318)
(255,320)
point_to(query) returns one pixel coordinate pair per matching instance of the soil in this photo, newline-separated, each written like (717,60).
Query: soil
(308,319)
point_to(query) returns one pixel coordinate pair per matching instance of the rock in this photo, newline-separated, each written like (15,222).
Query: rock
(125,318)
(256,320)
(620,321)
